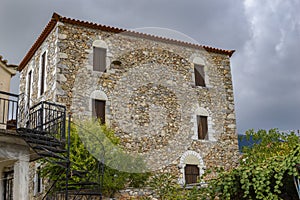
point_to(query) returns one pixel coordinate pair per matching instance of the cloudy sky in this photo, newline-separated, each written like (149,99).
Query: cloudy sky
(265,35)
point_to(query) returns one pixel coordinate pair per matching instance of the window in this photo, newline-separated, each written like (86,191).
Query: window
(98,109)
(202,127)
(191,173)
(8,182)
(191,167)
(99,59)
(43,74)
(29,82)
(38,181)
(199,75)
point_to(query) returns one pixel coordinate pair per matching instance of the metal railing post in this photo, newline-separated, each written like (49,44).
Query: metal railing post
(8,109)
(68,157)
(17,113)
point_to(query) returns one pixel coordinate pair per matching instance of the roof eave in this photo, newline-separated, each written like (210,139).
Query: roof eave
(56,18)
(47,30)
(143,35)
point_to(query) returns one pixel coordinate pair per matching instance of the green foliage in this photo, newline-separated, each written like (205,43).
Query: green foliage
(264,170)
(167,188)
(102,143)
(164,185)
(99,143)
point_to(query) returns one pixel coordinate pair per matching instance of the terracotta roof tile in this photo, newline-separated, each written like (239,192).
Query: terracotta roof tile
(57,18)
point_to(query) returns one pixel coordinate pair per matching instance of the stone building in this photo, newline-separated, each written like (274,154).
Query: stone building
(14,152)
(169,101)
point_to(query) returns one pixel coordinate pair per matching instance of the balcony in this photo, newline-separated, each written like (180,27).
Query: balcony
(8,110)
(44,118)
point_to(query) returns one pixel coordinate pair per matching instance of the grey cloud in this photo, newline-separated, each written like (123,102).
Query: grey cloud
(266,35)
(270,68)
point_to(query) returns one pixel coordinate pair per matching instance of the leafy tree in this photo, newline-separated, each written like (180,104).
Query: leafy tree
(90,143)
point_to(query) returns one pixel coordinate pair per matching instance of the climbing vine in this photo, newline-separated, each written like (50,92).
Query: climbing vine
(265,170)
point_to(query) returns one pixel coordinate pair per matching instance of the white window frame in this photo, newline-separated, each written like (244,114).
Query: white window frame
(200,111)
(101,96)
(184,161)
(100,44)
(30,69)
(199,61)
(40,73)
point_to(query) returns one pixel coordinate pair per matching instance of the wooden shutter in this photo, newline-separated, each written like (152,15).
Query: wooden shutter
(98,109)
(99,59)
(191,173)
(43,71)
(199,75)
(202,127)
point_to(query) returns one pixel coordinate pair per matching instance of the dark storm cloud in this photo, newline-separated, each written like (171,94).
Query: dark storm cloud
(264,33)
(267,80)
(209,22)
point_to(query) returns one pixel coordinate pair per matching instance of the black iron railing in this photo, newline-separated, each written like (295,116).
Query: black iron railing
(48,118)
(8,110)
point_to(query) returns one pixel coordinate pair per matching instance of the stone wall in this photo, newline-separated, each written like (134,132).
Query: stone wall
(151,97)
(50,47)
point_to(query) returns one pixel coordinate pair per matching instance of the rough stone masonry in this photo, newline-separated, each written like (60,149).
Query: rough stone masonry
(150,93)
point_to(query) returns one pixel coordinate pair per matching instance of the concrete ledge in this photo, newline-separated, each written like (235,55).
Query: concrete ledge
(8,132)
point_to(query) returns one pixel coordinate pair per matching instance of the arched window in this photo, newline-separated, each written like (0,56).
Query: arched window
(192,167)
(98,109)
(201,124)
(199,75)
(200,72)
(99,56)
(98,105)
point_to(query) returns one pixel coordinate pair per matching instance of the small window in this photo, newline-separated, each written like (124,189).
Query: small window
(8,182)
(38,182)
(43,73)
(98,109)
(99,59)
(191,173)
(29,82)
(199,75)
(202,127)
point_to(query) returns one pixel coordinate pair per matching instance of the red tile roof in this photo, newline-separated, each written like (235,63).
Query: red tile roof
(57,18)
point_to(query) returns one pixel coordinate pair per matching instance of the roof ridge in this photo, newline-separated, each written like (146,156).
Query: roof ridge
(58,18)
(67,19)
